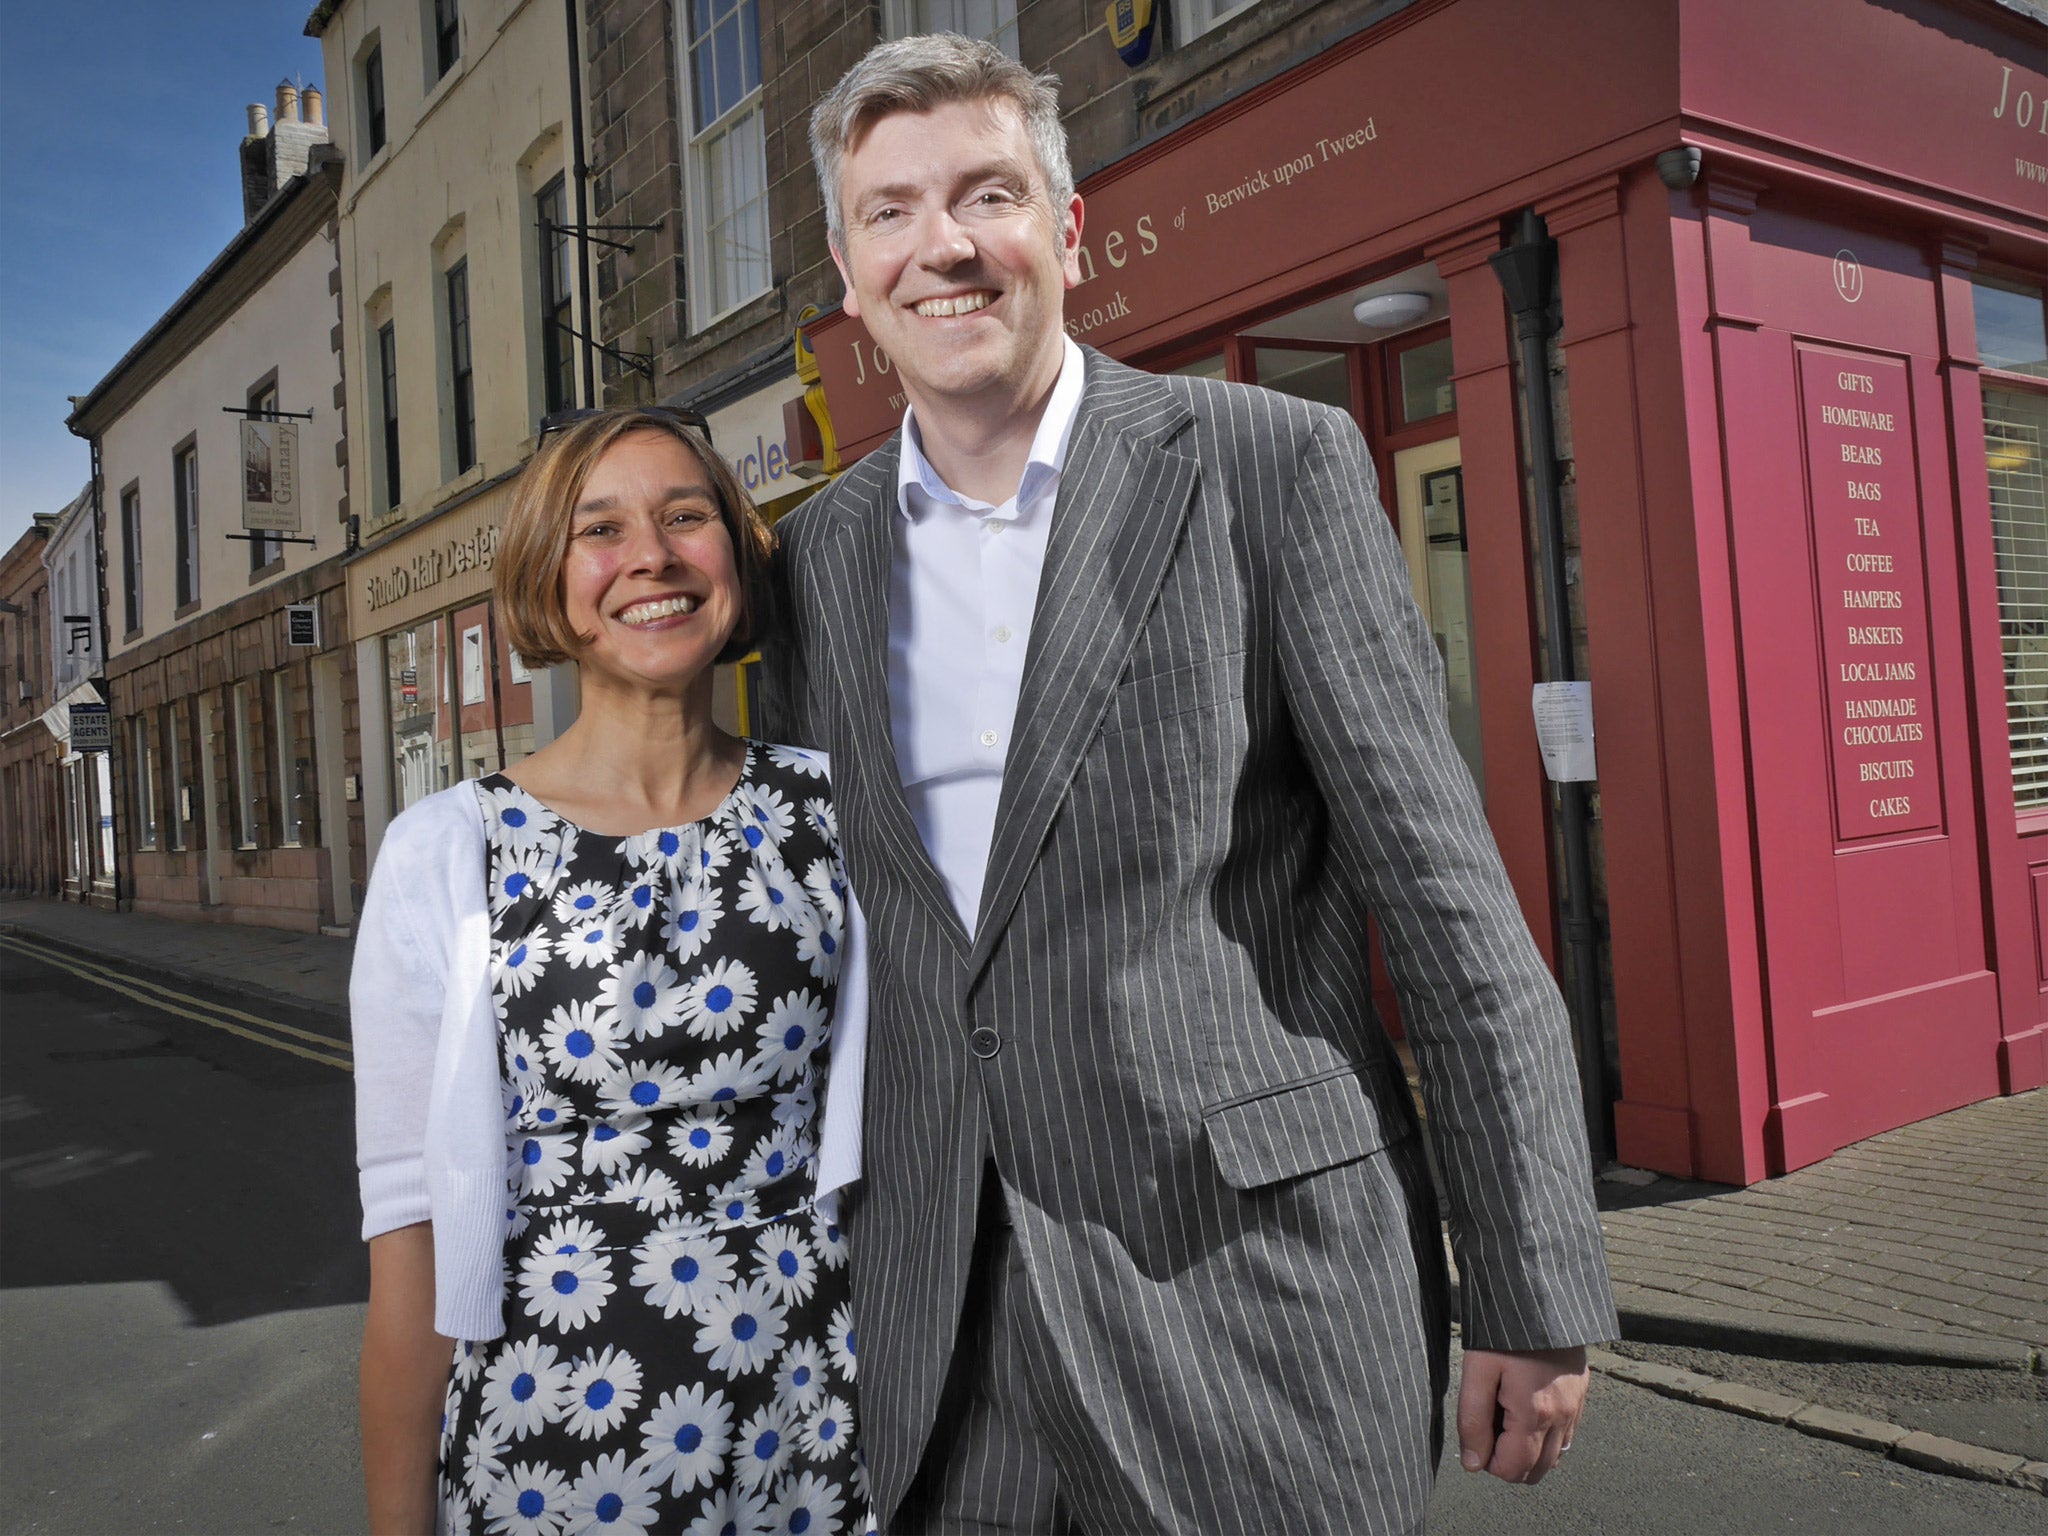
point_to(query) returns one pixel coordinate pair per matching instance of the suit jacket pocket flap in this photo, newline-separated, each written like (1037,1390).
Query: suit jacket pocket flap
(1296,1129)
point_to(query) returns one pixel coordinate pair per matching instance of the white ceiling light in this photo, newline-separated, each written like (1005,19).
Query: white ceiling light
(1384,311)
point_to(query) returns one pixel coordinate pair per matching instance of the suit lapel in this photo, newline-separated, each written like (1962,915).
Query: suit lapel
(854,613)
(1122,500)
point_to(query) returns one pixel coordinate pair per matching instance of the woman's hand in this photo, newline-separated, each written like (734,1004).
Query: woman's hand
(404,1383)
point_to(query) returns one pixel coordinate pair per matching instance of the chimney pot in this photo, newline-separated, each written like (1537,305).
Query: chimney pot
(259,120)
(312,107)
(287,102)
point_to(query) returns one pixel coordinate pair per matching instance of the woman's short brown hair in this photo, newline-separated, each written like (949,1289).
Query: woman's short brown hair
(527,578)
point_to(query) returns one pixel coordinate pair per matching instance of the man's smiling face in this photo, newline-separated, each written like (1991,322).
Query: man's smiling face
(955,257)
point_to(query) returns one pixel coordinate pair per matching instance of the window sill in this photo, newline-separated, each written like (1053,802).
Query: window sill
(268,569)
(186,610)
(132,635)
(725,325)
(450,489)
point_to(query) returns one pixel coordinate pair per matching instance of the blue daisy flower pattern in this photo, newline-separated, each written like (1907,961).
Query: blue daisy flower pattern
(679,1347)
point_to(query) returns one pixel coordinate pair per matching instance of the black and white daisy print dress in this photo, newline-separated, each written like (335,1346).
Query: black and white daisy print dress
(679,1349)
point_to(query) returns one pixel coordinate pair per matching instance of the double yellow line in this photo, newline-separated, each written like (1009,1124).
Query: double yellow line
(325,1049)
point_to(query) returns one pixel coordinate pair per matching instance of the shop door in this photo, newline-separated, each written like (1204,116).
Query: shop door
(1429,495)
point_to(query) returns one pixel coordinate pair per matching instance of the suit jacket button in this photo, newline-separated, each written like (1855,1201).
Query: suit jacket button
(985,1042)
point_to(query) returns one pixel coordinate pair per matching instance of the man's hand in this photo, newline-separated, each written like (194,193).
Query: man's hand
(1518,1411)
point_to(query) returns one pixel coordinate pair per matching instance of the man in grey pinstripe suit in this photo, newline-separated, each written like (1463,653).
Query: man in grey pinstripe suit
(1132,723)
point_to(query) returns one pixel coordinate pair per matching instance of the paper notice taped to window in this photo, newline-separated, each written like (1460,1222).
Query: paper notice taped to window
(1564,730)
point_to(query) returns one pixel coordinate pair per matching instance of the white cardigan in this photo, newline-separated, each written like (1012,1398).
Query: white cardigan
(430,1119)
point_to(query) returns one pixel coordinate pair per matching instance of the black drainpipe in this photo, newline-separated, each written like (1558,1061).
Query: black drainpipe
(581,171)
(1524,270)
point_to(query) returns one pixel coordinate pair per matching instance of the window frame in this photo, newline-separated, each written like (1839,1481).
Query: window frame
(704,272)
(131,558)
(1198,18)
(461,364)
(142,780)
(185,513)
(284,736)
(445,36)
(557,296)
(376,125)
(174,784)
(240,738)
(385,337)
(900,18)
(2030,816)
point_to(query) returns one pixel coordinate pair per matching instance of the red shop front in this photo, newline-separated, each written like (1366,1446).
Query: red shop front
(1802,397)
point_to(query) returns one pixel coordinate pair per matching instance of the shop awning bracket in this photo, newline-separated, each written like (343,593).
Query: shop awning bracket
(585,232)
(254,413)
(640,362)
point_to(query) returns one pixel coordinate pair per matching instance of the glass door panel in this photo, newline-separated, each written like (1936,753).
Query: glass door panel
(1430,491)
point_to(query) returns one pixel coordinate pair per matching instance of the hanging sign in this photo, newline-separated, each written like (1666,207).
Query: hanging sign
(270,477)
(92,728)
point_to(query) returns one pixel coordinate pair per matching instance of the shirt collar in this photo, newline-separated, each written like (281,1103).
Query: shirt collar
(1048,446)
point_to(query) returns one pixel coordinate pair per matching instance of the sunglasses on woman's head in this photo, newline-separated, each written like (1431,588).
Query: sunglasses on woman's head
(557,421)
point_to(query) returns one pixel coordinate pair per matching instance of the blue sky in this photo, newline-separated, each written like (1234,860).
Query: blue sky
(118,184)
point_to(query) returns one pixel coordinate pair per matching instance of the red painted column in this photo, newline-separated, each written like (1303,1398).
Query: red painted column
(1727,1058)
(1503,619)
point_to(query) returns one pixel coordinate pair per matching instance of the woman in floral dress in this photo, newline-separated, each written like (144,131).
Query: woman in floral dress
(594,1000)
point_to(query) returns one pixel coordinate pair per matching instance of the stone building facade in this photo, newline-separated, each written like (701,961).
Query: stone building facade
(221,457)
(31,836)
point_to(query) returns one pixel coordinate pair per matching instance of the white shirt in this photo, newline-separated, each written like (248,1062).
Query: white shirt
(962,587)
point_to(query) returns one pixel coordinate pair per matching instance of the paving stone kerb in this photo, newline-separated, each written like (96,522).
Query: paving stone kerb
(262,966)
(1932,1453)
(1928,1244)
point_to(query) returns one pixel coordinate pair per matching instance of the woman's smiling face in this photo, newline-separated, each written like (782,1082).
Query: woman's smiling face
(649,576)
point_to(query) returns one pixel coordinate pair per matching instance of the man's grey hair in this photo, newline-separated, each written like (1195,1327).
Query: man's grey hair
(917,74)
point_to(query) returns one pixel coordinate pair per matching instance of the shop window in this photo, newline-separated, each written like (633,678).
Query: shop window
(460,708)
(291,767)
(2012,338)
(993,21)
(558,384)
(131,559)
(726,167)
(103,815)
(179,804)
(185,488)
(1324,377)
(243,744)
(1214,366)
(2012,335)
(421,756)
(2015,436)
(461,376)
(143,791)
(1422,381)
(264,547)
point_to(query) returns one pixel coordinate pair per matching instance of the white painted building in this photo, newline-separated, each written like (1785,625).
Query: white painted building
(227,664)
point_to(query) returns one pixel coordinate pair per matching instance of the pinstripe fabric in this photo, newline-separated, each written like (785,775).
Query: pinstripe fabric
(1229,748)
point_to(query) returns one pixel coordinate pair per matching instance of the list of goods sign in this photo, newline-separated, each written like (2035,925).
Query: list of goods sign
(1873,600)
